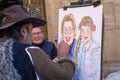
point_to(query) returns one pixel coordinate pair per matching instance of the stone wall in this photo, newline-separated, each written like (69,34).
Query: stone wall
(111,51)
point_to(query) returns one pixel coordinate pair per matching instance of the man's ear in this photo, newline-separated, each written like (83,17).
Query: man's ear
(23,30)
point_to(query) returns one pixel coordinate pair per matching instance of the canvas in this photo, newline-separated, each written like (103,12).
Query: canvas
(81,28)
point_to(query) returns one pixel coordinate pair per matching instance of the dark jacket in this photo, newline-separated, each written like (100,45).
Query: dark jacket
(15,63)
(49,70)
(22,62)
(49,48)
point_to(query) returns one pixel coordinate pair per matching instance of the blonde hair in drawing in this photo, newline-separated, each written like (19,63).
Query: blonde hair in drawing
(85,22)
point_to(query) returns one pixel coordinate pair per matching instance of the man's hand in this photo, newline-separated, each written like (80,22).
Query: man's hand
(63,49)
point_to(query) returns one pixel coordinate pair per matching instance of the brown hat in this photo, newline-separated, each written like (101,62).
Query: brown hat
(15,14)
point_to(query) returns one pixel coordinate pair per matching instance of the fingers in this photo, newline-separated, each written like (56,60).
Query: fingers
(63,49)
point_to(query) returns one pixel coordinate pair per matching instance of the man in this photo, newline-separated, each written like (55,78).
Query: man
(68,33)
(16,62)
(38,40)
(15,31)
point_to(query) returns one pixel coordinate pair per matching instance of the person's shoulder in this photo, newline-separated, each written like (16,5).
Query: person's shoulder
(18,47)
(49,42)
(19,44)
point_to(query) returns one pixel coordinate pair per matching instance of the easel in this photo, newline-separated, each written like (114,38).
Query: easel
(82,3)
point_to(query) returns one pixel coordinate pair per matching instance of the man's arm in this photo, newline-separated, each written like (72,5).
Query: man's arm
(49,70)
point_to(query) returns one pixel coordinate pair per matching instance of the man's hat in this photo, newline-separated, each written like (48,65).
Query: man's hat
(17,14)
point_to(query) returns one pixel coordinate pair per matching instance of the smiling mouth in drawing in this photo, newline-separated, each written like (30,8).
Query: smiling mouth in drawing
(67,39)
(85,38)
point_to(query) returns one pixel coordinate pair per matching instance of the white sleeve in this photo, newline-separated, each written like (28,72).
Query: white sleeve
(32,59)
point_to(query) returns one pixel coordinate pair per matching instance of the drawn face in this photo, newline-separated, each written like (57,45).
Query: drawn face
(68,32)
(86,33)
